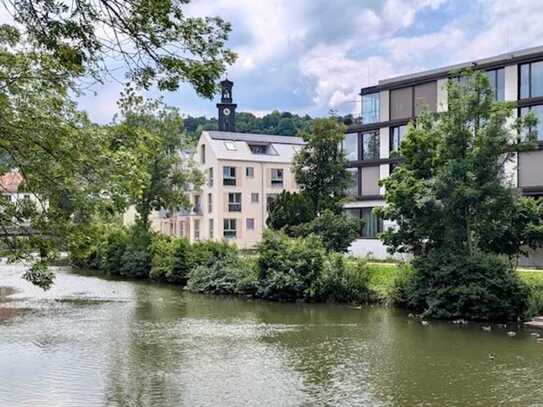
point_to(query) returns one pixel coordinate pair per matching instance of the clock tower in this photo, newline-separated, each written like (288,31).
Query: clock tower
(227,109)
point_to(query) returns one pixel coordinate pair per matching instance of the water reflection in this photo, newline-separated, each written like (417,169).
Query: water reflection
(95,342)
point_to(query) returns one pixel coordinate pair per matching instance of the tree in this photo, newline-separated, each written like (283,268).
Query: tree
(168,171)
(289,209)
(156,40)
(455,211)
(65,161)
(321,167)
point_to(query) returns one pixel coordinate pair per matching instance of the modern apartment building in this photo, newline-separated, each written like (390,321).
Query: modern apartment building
(372,145)
(243,173)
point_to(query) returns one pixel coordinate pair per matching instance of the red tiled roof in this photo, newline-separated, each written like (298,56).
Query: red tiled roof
(10,181)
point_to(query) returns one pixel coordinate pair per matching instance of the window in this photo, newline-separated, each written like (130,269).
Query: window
(401,103)
(369,177)
(250,224)
(210,177)
(530,174)
(230,146)
(350,146)
(538,111)
(496,78)
(370,146)
(370,108)
(229,176)
(352,191)
(254,197)
(277,177)
(229,230)
(249,172)
(234,202)
(197,204)
(425,97)
(209,203)
(372,224)
(396,136)
(196,229)
(354,213)
(203,154)
(531,80)
(262,149)
(211,227)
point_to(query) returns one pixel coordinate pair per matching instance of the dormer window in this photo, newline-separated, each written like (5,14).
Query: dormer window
(262,149)
(230,146)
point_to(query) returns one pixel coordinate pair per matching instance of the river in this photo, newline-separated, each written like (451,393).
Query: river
(92,341)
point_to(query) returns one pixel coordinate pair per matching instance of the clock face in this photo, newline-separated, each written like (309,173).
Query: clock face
(226,111)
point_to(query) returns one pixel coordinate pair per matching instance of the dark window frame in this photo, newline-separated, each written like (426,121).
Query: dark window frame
(235,204)
(231,179)
(361,135)
(519,80)
(229,232)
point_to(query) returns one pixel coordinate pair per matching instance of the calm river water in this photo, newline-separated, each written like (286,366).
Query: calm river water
(96,342)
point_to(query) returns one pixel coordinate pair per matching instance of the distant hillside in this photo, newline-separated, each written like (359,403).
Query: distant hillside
(277,123)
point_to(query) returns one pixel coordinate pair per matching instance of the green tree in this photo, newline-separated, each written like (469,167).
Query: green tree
(289,209)
(156,40)
(450,201)
(320,166)
(168,170)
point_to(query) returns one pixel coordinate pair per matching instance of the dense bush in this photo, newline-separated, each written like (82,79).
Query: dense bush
(136,259)
(228,275)
(535,297)
(162,249)
(288,266)
(206,253)
(482,287)
(181,263)
(112,250)
(336,230)
(342,281)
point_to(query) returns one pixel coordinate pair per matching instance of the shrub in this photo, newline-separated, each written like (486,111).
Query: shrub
(228,275)
(112,250)
(136,259)
(342,280)
(206,253)
(481,287)
(336,230)
(288,266)
(534,283)
(162,258)
(181,262)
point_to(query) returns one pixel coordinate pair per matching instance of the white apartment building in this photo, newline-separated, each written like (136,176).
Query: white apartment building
(387,108)
(243,173)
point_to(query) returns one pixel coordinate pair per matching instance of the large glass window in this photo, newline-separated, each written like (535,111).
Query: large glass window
(369,181)
(372,224)
(350,146)
(370,146)
(401,103)
(352,191)
(538,111)
(229,176)
(531,80)
(425,97)
(234,202)
(396,136)
(496,78)
(229,229)
(277,177)
(370,108)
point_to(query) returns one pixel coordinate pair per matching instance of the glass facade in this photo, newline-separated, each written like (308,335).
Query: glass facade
(370,108)
(350,146)
(496,78)
(538,111)
(531,80)
(352,191)
(372,224)
(370,146)
(396,136)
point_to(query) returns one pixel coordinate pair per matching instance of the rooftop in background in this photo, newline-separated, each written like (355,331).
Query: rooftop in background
(10,181)
(255,138)
(433,74)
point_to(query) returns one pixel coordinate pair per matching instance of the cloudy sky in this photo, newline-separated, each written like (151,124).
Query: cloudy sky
(310,56)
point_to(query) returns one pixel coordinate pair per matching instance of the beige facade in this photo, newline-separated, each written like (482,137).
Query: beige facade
(243,172)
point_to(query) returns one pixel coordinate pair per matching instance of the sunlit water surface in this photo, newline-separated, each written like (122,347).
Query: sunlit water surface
(96,342)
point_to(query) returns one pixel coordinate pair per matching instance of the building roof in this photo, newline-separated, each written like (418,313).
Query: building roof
(514,57)
(236,146)
(10,181)
(256,138)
